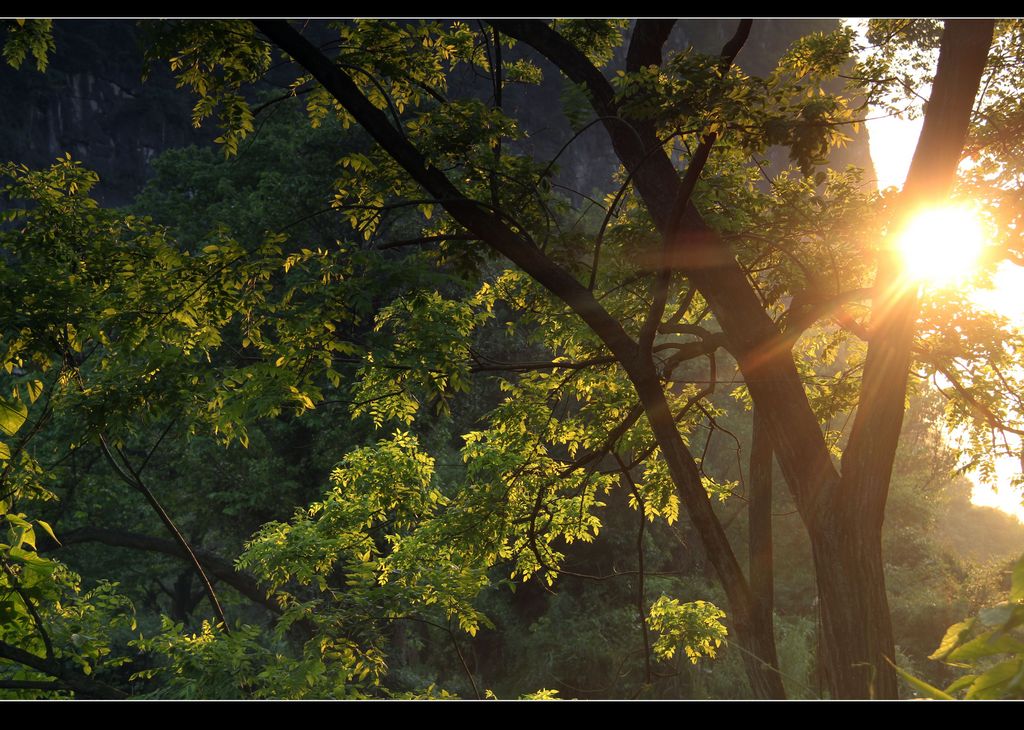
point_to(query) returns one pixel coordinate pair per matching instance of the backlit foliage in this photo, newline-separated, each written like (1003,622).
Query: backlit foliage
(480,432)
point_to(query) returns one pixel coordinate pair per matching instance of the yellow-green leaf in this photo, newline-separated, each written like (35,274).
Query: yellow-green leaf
(12,416)
(928,690)
(1017,582)
(952,638)
(48,530)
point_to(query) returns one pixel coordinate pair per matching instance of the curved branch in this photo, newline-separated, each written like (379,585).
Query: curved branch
(131,477)
(222,569)
(70,679)
(491,228)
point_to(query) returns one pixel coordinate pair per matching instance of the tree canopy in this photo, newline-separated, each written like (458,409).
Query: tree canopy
(381,367)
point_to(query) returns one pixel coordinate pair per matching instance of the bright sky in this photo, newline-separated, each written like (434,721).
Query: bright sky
(892,141)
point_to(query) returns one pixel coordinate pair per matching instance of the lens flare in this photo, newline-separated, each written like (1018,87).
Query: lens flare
(941,246)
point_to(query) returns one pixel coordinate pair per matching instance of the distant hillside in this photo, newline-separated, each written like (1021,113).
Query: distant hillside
(92,103)
(980,533)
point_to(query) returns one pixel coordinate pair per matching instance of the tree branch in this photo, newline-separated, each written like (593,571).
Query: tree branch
(673,238)
(980,410)
(641,600)
(478,219)
(132,479)
(51,686)
(646,42)
(36,618)
(222,569)
(520,367)
(609,444)
(72,680)
(769,372)
(762,569)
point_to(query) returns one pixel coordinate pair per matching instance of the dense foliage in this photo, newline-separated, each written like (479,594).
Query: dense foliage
(353,452)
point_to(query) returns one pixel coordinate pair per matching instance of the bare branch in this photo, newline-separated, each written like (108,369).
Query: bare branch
(132,479)
(218,567)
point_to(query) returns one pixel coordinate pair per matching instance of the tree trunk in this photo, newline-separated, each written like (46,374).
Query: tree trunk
(759,514)
(755,638)
(753,629)
(856,628)
(847,535)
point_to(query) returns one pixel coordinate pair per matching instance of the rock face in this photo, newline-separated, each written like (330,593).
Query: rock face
(92,103)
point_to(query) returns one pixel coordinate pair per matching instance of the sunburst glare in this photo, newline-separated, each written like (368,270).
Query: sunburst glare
(942,246)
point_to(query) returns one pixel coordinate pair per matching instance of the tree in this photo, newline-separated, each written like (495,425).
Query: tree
(609,355)
(843,511)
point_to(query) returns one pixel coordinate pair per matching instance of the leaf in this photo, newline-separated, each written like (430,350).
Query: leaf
(26,556)
(1017,582)
(996,615)
(992,684)
(952,638)
(5,451)
(21,531)
(48,530)
(12,416)
(35,389)
(960,683)
(928,690)
(985,645)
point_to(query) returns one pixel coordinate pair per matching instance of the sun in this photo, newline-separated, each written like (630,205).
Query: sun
(942,246)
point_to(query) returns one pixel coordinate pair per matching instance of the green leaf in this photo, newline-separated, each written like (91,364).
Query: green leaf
(12,416)
(1017,582)
(985,645)
(994,683)
(5,451)
(952,638)
(48,530)
(959,684)
(26,556)
(928,690)
(21,531)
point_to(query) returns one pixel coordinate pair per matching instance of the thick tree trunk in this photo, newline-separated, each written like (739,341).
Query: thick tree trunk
(856,628)
(759,513)
(846,535)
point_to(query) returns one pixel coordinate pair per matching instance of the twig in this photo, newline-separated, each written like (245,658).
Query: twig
(641,607)
(131,478)
(36,618)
